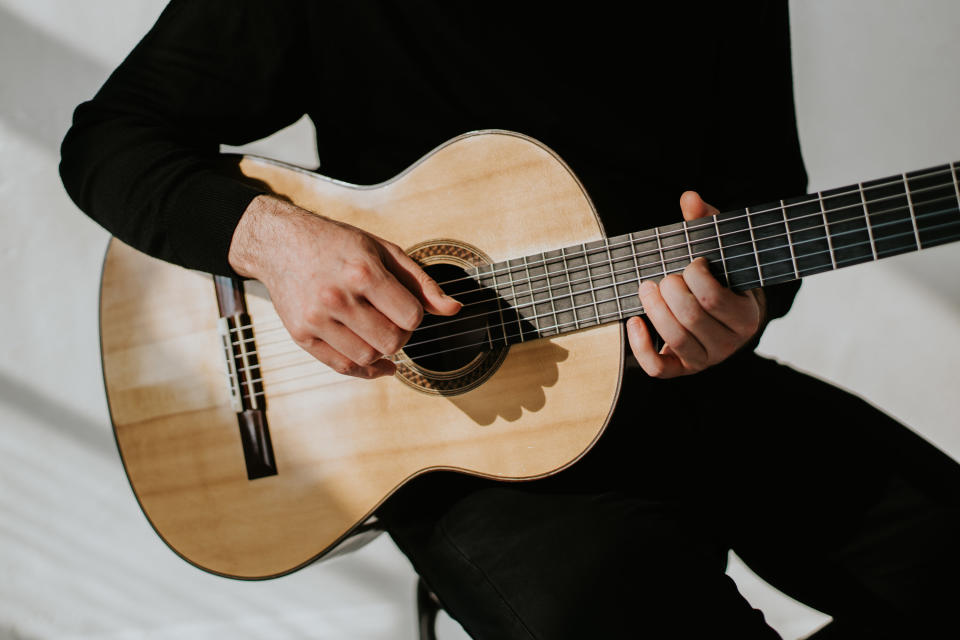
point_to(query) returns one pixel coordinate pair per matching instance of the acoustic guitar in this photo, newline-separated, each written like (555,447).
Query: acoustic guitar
(251,459)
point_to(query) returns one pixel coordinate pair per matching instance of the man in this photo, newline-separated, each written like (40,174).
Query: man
(825,497)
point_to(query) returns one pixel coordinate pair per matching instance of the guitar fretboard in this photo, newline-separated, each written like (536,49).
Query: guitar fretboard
(584,285)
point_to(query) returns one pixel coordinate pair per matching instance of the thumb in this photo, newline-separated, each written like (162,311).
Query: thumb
(693,206)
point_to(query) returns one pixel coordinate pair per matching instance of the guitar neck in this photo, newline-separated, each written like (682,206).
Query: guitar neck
(584,285)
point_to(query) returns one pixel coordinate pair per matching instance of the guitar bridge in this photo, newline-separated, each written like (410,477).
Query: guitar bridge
(244,379)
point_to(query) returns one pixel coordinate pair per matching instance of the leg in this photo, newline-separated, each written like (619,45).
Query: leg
(511,563)
(857,516)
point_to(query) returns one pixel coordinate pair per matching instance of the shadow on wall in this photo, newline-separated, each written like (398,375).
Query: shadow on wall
(43,80)
(49,411)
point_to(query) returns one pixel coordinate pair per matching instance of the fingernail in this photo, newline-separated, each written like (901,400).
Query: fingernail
(647,286)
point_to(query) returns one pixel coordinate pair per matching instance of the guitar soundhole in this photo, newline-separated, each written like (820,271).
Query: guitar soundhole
(448,355)
(450,343)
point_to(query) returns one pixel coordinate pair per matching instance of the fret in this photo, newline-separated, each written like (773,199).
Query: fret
(596,264)
(625,274)
(934,197)
(663,262)
(530,319)
(913,214)
(601,280)
(649,254)
(503,279)
(866,218)
(847,226)
(674,247)
(826,226)
(559,291)
(539,310)
(956,181)
(704,242)
(786,225)
(613,278)
(583,302)
(753,241)
(686,236)
(488,281)
(808,232)
(769,232)
(723,260)
(890,217)
(737,244)
(560,307)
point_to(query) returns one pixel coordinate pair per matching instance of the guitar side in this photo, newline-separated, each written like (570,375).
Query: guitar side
(344,445)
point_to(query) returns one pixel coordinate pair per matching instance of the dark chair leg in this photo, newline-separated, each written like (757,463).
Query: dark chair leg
(427,608)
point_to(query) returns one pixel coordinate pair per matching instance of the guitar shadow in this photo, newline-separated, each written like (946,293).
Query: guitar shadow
(540,372)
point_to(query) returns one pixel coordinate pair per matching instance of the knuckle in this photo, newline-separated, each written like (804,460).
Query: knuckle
(330,298)
(709,301)
(301,334)
(359,275)
(342,366)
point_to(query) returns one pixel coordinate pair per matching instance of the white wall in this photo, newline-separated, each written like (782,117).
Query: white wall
(877,93)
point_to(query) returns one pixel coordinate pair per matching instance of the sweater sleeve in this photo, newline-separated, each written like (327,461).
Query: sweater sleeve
(755,130)
(142,157)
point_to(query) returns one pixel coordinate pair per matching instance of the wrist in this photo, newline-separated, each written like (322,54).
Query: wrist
(256,236)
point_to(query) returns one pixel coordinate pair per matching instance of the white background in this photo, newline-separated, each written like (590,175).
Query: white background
(877,93)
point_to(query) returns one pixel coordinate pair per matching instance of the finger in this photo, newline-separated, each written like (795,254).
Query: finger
(414,278)
(738,312)
(716,337)
(347,343)
(683,343)
(374,328)
(342,364)
(692,206)
(653,363)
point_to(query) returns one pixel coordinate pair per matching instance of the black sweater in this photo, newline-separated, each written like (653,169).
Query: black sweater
(686,97)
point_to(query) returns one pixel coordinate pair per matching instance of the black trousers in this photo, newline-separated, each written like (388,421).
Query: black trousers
(826,498)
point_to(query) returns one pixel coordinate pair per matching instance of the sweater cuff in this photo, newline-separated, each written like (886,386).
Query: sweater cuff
(203,217)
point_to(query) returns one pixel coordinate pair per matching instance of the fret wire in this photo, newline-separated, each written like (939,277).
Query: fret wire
(496,295)
(811,201)
(956,186)
(610,316)
(663,262)
(636,262)
(679,270)
(913,217)
(786,225)
(573,300)
(533,298)
(513,287)
(613,278)
(593,296)
(866,217)
(745,285)
(686,236)
(723,259)
(753,241)
(826,228)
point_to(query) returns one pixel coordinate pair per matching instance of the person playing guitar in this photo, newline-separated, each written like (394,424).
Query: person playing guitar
(710,447)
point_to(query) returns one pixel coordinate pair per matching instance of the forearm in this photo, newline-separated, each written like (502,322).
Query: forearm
(142,157)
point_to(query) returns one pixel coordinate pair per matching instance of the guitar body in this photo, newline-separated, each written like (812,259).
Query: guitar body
(342,445)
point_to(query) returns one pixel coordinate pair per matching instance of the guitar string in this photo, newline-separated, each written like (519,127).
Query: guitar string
(526,280)
(611,275)
(508,335)
(332,377)
(793,205)
(573,310)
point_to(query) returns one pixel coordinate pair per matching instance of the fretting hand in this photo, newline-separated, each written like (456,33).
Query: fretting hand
(346,296)
(701,321)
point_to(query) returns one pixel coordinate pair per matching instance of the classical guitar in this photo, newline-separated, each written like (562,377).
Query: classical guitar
(251,459)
